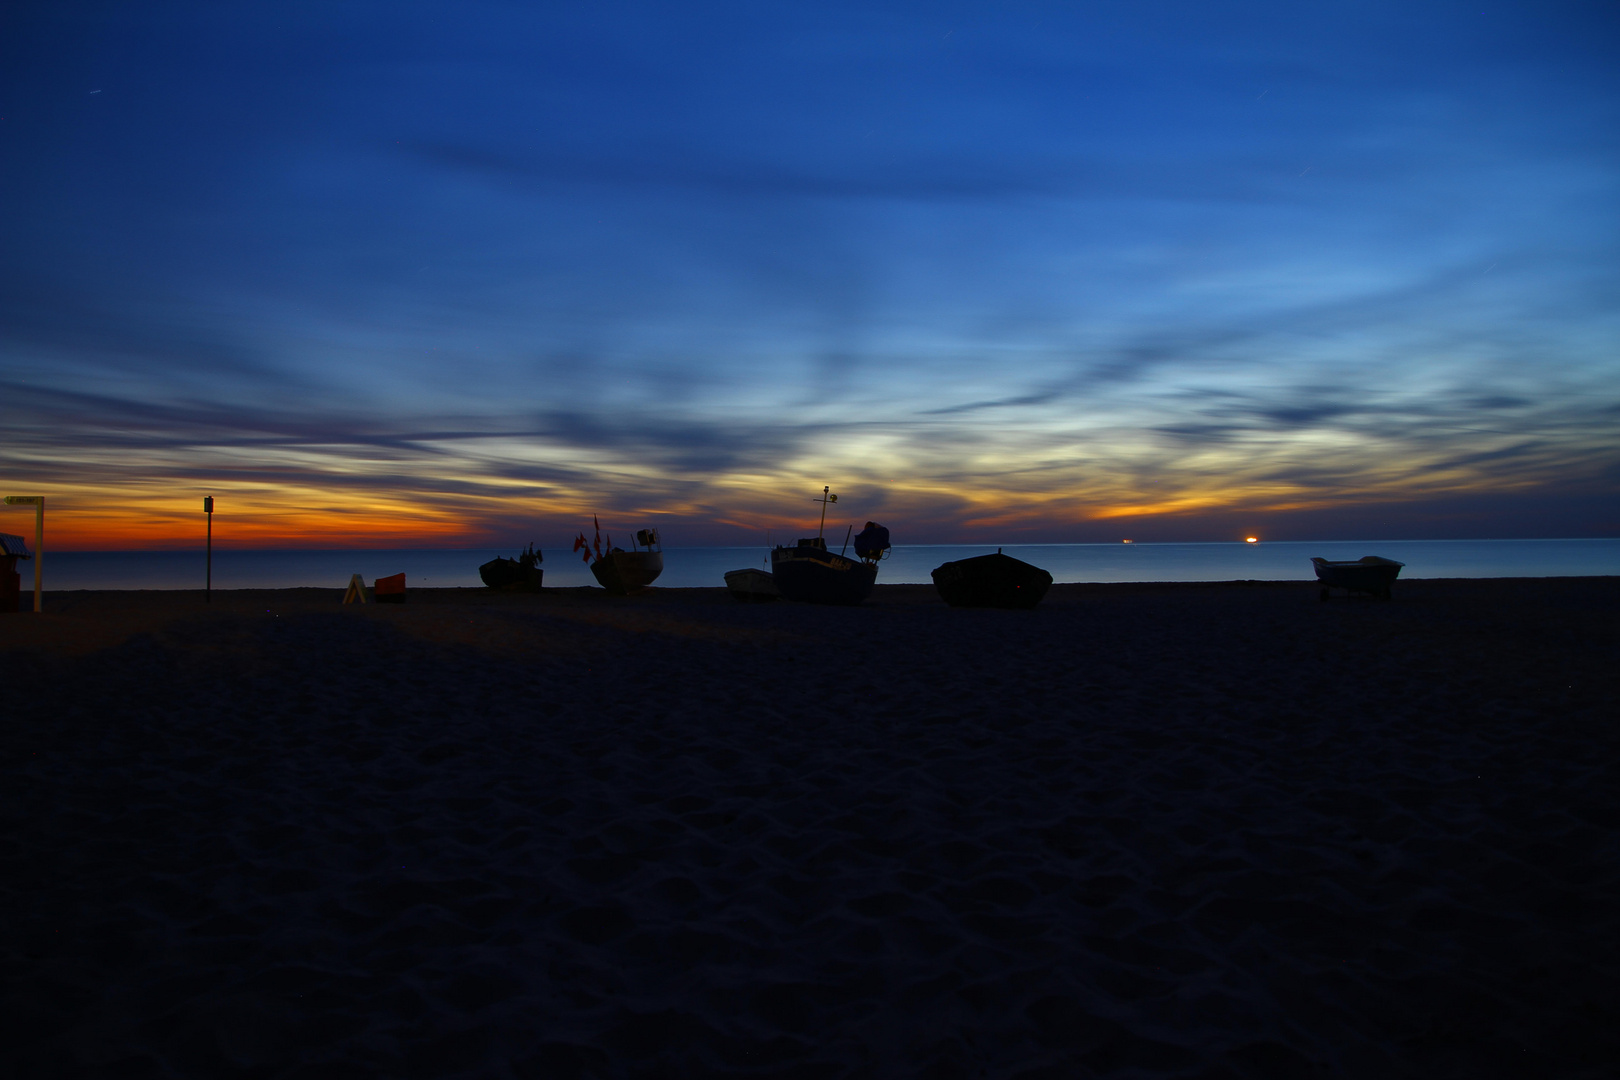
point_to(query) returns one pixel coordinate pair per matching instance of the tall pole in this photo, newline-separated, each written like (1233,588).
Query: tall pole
(208,587)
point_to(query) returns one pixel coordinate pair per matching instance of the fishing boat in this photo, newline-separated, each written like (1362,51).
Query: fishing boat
(1369,574)
(811,574)
(997,581)
(622,572)
(522,574)
(751,585)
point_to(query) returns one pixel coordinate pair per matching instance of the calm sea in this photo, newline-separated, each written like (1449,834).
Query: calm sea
(690,567)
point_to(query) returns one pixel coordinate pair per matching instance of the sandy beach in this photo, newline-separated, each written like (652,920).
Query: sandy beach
(1218,830)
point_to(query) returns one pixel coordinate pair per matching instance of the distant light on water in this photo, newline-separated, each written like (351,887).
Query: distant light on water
(1251,539)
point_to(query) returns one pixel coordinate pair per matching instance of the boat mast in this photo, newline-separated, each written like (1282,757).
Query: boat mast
(826,497)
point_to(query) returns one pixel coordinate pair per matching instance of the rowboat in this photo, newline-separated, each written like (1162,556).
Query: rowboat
(998,581)
(751,585)
(1369,574)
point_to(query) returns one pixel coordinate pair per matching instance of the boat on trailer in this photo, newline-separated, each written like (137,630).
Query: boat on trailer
(809,573)
(1372,574)
(996,581)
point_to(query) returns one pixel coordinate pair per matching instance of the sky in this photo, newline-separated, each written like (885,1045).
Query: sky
(405,274)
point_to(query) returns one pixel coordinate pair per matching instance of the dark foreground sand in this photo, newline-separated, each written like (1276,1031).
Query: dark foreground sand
(1153,831)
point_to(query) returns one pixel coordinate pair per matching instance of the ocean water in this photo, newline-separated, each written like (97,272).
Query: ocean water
(696,567)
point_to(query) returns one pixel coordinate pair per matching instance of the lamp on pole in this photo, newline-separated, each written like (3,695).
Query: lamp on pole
(38,503)
(208,586)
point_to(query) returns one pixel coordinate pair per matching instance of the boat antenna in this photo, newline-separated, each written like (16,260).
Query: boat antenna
(846,538)
(826,497)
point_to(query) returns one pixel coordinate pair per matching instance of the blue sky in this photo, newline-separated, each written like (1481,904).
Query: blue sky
(431,273)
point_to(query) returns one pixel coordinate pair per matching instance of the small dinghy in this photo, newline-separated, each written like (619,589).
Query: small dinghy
(623,572)
(522,574)
(808,573)
(1369,574)
(998,581)
(751,585)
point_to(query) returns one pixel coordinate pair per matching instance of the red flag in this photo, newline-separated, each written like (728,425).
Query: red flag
(598,526)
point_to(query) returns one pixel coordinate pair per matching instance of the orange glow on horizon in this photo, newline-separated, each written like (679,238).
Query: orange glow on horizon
(464,508)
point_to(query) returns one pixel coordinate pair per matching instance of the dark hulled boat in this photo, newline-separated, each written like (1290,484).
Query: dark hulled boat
(998,581)
(522,574)
(809,573)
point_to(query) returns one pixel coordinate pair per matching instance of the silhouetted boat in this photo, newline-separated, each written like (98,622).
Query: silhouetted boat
(522,574)
(622,572)
(809,573)
(751,585)
(998,581)
(1368,574)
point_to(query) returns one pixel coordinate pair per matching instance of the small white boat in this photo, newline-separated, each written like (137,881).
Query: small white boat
(751,585)
(1368,574)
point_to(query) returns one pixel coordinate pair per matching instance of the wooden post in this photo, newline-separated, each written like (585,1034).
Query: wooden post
(208,581)
(38,502)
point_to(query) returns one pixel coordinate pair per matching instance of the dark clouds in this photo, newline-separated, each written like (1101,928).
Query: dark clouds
(1081,258)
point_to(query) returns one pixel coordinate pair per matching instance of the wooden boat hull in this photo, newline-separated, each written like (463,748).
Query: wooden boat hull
(813,575)
(509,575)
(625,572)
(1369,574)
(995,581)
(751,585)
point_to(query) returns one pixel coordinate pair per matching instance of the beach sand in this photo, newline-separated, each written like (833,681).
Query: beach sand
(1144,830)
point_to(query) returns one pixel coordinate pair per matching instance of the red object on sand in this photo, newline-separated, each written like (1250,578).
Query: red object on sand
(390,590)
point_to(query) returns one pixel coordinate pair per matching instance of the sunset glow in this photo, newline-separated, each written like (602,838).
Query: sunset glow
(994,275)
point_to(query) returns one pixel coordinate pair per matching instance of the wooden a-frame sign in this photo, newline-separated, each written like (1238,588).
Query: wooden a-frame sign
(357,590)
